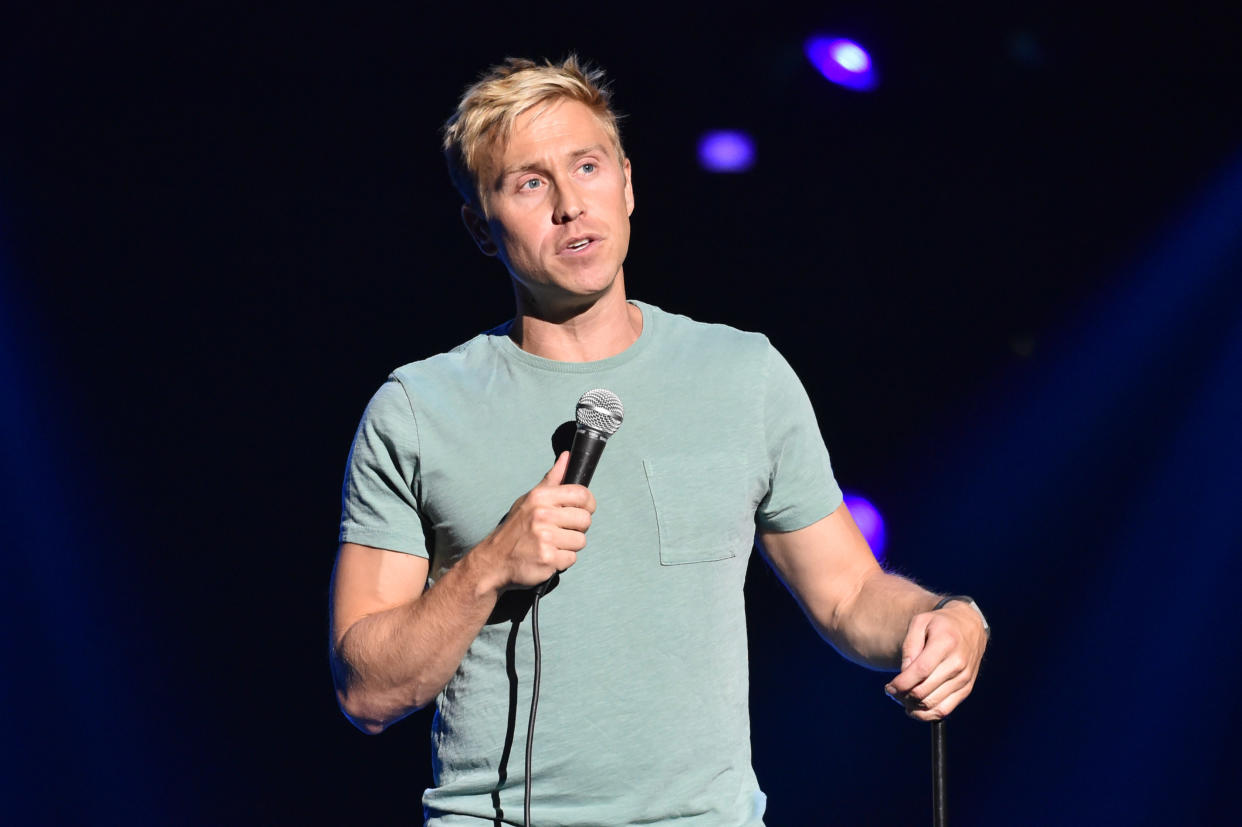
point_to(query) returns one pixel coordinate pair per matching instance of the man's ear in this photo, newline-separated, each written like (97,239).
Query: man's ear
(477,226)
(629,189)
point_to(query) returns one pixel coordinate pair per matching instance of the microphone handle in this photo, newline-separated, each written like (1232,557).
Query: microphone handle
(584,456)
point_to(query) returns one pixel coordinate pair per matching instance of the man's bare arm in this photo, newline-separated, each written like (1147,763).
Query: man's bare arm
(395,644)
(879,619)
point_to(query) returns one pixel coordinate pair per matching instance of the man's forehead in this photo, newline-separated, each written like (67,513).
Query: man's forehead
(564,127)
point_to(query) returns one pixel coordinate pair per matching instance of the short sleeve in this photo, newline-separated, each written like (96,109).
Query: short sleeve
(379,498)
(801,486)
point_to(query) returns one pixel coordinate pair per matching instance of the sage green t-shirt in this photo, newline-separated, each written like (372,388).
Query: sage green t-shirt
(643,710)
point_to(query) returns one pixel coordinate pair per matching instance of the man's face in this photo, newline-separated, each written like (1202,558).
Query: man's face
(559,200)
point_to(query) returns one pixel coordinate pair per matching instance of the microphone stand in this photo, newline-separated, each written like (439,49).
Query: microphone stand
(939,807)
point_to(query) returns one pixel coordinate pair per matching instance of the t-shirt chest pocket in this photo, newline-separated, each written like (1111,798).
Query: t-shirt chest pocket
(704,507)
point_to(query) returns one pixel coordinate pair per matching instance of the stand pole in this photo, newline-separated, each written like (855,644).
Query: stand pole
(940,816)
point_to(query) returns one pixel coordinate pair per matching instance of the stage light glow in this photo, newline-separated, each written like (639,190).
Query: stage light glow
(842,61)
(850,57)
(869,522)
(726,151)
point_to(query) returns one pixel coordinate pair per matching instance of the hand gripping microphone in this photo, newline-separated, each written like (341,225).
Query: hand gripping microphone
(599,415)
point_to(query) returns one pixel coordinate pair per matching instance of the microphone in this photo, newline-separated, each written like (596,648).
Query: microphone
(599,415)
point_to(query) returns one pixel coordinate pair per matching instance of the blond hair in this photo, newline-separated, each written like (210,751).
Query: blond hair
(486,113)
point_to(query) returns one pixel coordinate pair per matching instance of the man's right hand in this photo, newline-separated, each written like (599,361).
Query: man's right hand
(542,533)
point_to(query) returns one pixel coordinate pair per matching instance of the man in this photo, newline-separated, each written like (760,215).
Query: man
(643,704)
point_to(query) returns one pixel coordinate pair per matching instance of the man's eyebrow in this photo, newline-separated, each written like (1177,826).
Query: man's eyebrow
(534,165)
(578,153)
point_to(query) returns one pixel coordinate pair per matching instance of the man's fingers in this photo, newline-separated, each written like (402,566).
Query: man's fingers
(941,709)
(577,496)
(928,691)
(569,540)
(545,497)
(557,472)
(551,491)
(918,658)
(916,638)
(575,519)
(940,702)
(946,690)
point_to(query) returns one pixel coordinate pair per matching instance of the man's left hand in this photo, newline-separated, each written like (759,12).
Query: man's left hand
(939,661)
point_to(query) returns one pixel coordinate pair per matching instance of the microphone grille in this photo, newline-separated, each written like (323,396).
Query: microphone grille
(601,411)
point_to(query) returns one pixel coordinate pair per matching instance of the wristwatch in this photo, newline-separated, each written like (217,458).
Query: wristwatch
(969,601)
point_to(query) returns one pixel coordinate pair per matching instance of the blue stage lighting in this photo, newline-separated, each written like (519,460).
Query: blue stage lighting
(843,62)
(726,151)
(869,522)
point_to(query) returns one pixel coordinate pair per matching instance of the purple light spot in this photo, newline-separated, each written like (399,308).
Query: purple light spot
(850,57)
(726,151)
(842,61)
(869,522)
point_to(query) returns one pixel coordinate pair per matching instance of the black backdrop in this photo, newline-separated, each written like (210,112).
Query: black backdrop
(221,227)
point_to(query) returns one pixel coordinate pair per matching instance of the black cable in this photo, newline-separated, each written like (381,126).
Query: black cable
(534,701)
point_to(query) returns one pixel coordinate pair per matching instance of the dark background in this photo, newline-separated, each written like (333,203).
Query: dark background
(1010,279)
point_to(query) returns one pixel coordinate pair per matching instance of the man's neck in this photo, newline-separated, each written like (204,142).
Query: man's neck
(602,329)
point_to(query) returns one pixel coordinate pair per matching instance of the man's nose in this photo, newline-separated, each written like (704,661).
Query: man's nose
(569,205)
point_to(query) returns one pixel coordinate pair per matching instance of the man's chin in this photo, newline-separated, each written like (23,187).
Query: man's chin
(561,304)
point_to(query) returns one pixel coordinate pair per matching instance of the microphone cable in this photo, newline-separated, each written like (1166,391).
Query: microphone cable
(534,701)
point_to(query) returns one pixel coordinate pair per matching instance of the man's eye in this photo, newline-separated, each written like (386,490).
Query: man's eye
(531,184)
(588,167)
